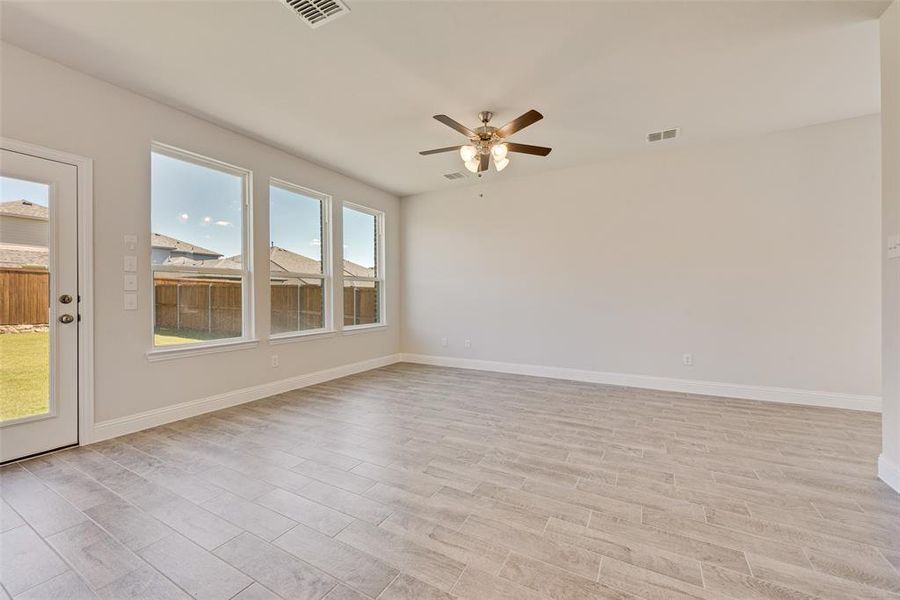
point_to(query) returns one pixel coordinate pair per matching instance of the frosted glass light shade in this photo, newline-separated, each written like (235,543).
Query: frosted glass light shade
(501,164)
(467,153)
(498,151)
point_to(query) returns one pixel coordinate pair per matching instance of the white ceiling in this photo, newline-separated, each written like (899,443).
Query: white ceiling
(357,95)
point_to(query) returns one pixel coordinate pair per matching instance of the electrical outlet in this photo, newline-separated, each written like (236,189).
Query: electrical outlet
(688,360)
(274,361)
(444,341)
(893,246)
(468,343)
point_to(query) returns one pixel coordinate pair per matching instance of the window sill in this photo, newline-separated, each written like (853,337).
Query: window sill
(158,354)
(354,329)
(289,338)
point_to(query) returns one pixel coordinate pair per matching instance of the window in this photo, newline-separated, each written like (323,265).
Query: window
(199,249)
(298,259)
(363,266)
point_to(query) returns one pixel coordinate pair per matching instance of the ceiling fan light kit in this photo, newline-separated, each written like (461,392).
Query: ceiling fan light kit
(487,142)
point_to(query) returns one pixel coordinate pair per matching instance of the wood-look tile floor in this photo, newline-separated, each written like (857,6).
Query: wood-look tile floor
(414,482)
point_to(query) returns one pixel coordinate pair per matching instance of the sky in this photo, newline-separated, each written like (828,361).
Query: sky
(294,222)
(359,237)
(202,206)
(196,204)
(19,189)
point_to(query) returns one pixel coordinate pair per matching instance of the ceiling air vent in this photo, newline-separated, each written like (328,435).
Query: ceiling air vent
(317,12)
(668,134)
(456,175)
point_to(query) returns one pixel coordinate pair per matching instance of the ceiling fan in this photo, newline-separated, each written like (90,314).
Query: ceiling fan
(488,142)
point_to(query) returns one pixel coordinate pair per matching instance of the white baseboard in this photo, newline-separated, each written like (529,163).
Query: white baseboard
(105,430)
(669,384)
(889,472)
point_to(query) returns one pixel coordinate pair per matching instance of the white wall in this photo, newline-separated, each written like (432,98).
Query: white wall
(760,257)
(47,104)
(889,465)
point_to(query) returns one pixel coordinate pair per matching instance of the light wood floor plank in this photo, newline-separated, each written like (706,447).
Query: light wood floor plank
(432,483)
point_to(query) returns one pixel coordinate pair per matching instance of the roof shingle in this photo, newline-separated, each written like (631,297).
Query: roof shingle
(24,208)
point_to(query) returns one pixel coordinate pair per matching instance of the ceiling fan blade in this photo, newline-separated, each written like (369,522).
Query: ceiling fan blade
(455,125)
(521,122)
(485,161)
(528,149)
(439,150)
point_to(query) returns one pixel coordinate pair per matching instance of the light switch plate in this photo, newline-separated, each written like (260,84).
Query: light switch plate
(130,264)
(130,301)
(130,282)
(130,242)
(893,246)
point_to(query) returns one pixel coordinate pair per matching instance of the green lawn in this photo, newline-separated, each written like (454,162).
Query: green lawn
(167,337)
(24,374)
(25,369)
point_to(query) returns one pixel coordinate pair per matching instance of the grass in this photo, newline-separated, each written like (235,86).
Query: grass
(25,369)
(24,374)
(167,337)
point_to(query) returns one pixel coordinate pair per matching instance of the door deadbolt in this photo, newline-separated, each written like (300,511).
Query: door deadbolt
(65,299)
(66,318)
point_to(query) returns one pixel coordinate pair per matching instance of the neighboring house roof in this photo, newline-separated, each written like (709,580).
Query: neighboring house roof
(165,242)
(354,270)
(214,263)
(25,209)
(285,260)
(19,256)
(280,261)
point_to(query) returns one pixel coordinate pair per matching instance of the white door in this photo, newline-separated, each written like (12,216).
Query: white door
(38,305)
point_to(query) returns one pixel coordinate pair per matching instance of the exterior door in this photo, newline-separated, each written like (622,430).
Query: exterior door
(38,305)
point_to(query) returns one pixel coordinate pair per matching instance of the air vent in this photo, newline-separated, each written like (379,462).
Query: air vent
(668,134)
(456,175)
(317,12)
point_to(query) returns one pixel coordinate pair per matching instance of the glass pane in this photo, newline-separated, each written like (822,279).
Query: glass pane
(295,231)
(297,304)
(195,214)
(361,302)
(191,308)
(360,249)
(25,290)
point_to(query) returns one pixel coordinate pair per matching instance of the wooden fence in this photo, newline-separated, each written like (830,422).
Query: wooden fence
(24,297)
(213,306)
(296,307)
(360,305)
(203,305)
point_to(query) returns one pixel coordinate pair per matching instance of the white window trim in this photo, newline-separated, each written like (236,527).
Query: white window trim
(379,274)
(365,328)
(247,338)
(325,275)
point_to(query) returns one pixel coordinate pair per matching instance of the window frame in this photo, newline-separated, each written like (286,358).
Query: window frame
(379,278)
(326,276)
(248,330)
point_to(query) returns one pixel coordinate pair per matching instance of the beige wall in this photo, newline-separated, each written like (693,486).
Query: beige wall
(890,115)
(47,104)
(760,257)
(19,230)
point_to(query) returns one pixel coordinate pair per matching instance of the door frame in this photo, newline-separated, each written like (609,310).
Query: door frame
(85,204)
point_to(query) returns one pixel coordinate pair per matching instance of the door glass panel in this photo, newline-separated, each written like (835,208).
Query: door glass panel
(24,291)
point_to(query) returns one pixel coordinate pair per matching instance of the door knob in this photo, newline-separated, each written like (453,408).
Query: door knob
(65,299)
(66,318)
